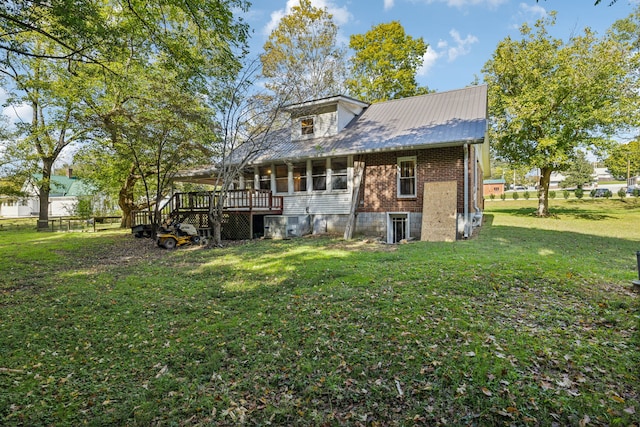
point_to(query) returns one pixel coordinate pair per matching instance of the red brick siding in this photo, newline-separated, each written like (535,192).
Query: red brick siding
(436,164)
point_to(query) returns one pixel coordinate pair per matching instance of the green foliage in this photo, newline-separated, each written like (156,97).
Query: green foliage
(515,195)
(503,196)
(385,63)
(548,97)
(579,172)
(526,195)
(579,193)
(311,331)
(552,194)
(622,193)
(624,159)
(492,196)
(566,194)
(83,208)
(301,60)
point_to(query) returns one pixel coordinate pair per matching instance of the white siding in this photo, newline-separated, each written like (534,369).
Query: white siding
(317,203)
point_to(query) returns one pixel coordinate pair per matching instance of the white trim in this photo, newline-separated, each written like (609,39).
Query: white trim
(390,215)
(414,159)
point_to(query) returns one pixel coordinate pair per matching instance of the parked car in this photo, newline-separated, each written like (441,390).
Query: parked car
(601,192)
(633,191)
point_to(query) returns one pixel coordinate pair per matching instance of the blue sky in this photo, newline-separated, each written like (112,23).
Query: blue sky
(462,34)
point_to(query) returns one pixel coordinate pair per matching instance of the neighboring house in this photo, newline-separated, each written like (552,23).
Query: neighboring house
(556,179)
(493,186)
(63,197)
(404,169)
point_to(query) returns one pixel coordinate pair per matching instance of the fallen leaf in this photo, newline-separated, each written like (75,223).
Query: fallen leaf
(584,421)
(630,410)
(486,391)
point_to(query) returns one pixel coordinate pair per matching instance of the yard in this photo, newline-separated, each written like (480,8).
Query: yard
(533,322)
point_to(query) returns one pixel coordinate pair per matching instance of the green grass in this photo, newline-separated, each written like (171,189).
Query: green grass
(533,322)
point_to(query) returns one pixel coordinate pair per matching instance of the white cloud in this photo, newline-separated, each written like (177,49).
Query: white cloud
(462,46)
(428,61)
(341,15)
(388,4)
(458,46)
(536,10)
(18,113)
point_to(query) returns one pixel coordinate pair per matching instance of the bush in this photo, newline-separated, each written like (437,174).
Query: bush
(526,195)
(636,192)
(579,193)
(622,193)
(503,196)
(566,194)
(552,195)
(492,196)
(515,195)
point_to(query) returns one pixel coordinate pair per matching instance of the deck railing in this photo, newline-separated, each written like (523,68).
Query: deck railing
(199,202)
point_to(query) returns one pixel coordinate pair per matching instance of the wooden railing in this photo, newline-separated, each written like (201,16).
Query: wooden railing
(236,200)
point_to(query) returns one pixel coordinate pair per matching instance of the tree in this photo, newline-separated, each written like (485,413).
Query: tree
(182,32)
(624,160)
(580,172)
(301,60)
(385,63)
(547,98)
(50,92)
(247,125)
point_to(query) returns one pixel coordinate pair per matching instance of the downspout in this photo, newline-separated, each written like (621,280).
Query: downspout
(466,191)
(478,212)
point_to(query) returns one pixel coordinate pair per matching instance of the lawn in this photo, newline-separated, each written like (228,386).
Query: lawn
(532,322)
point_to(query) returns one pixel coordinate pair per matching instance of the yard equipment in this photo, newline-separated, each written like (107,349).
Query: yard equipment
(177,234)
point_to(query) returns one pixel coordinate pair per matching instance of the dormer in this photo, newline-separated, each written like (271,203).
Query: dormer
(323,117)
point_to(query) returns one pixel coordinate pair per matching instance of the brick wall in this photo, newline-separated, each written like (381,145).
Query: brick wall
(379,189)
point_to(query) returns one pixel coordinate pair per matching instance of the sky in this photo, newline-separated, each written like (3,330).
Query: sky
(461,34)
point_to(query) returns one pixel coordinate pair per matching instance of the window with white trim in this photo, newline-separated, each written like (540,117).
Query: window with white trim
(282,179)
(300,177)
(264,173)
(319,174)
(339,173)
(407,177)
(306,126)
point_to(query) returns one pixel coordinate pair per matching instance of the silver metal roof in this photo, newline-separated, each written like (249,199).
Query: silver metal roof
(439,119)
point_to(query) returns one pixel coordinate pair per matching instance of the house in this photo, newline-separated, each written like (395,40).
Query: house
(65,193)
(493,186)
(403,169)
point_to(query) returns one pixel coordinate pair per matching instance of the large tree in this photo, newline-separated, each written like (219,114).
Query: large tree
(547,98)
(624,160)
(579,173)
(385,63)
(301,59)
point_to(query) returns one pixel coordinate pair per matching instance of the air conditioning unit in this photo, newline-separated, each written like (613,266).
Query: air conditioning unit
(286,227)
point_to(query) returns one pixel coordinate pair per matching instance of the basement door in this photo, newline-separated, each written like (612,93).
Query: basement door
(397,226)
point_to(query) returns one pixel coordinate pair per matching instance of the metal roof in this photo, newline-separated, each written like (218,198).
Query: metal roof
(438,119)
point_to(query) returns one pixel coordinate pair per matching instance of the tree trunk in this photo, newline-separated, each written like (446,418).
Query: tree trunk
(125,199)
(543,192)
(43,195)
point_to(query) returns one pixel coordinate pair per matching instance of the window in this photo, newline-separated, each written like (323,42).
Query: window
(339,173)
(306,126)
(397,227)
(265,178)
(282,179)
(300,177)
(407,177)
(319,174)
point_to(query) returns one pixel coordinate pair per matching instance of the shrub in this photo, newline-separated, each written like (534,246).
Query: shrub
(515,195)
(526,195)
(552,194)
(579,193)
(636,192)
(622,193)
(566,194)
(492,196)
(503,196)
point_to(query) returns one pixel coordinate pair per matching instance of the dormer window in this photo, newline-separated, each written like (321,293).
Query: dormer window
(306,126)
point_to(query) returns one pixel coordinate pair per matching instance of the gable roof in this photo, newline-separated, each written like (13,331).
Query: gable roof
(64,186)
(438,119)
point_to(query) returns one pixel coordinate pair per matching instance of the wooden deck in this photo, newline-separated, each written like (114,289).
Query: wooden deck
(194,207)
